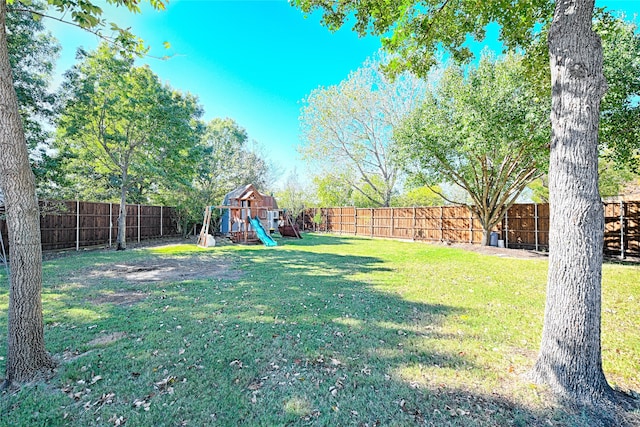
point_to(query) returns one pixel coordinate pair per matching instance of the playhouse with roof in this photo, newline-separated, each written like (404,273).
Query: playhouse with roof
(249,216)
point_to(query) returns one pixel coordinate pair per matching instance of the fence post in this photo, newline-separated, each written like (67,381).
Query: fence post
(341,220)
(413,227)
(442,223)
(77,224)
(470,226)
(506,229)
(393,225)
(138,222)
(355,221)
(110,224)
(371,220)
(161,219)
(622,229)
(535,219)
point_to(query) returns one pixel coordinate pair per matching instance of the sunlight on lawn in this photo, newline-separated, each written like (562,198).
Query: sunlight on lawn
(323,331)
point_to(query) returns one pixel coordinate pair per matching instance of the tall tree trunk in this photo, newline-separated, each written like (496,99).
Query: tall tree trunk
(122,218)
(26,354)
(570,359)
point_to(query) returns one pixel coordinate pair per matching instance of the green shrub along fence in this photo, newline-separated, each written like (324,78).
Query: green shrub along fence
(524,226)
(74,224)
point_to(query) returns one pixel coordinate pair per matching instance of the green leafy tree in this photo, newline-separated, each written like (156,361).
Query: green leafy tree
(234,161)
(32,53)
(482,129)
(570,358)
(420,196)
(225,161)
(350,127)
(365,197)
(26,355)
(612,181)
(332,190)
(619,125)
(293,196)
(540,190)
(174,163)
(124,129)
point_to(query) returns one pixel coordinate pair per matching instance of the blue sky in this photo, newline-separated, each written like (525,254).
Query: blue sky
(252,61)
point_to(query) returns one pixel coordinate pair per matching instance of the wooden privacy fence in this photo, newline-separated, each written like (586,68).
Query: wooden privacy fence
(524,226)
(74,224)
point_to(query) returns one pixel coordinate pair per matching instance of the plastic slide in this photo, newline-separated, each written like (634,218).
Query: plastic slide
(261,233)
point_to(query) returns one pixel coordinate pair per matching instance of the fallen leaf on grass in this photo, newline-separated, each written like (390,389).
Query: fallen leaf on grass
(117,420)
(255,385)
(105,399)
(236,363)
(417,414)
(165,383)
(142,403)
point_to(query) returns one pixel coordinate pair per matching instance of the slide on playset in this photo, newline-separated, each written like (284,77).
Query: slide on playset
(261,233)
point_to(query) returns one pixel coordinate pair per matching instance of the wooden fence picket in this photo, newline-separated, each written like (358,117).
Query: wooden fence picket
(524,226)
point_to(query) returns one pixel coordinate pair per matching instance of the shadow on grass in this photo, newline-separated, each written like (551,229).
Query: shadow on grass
(318,239)
(301,338)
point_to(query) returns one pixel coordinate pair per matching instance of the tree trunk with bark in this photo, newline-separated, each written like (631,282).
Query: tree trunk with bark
(486,233)
(570,361)
(122,218)
(489,217)
(26,354)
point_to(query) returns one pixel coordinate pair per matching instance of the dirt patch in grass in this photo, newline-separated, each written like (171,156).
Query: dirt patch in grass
(161,270)
(121,298)
(107,339)
(500,252)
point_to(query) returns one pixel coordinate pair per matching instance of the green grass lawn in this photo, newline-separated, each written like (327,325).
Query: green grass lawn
(325,331)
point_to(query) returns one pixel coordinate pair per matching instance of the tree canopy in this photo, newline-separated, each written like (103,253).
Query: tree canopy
(482,129)
(332,190)
(619,127)
(414,30)
(350,127)
(32,52)
(120,128)
(293,195)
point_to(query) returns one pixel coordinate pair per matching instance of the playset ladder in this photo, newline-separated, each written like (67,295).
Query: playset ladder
(204,232)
